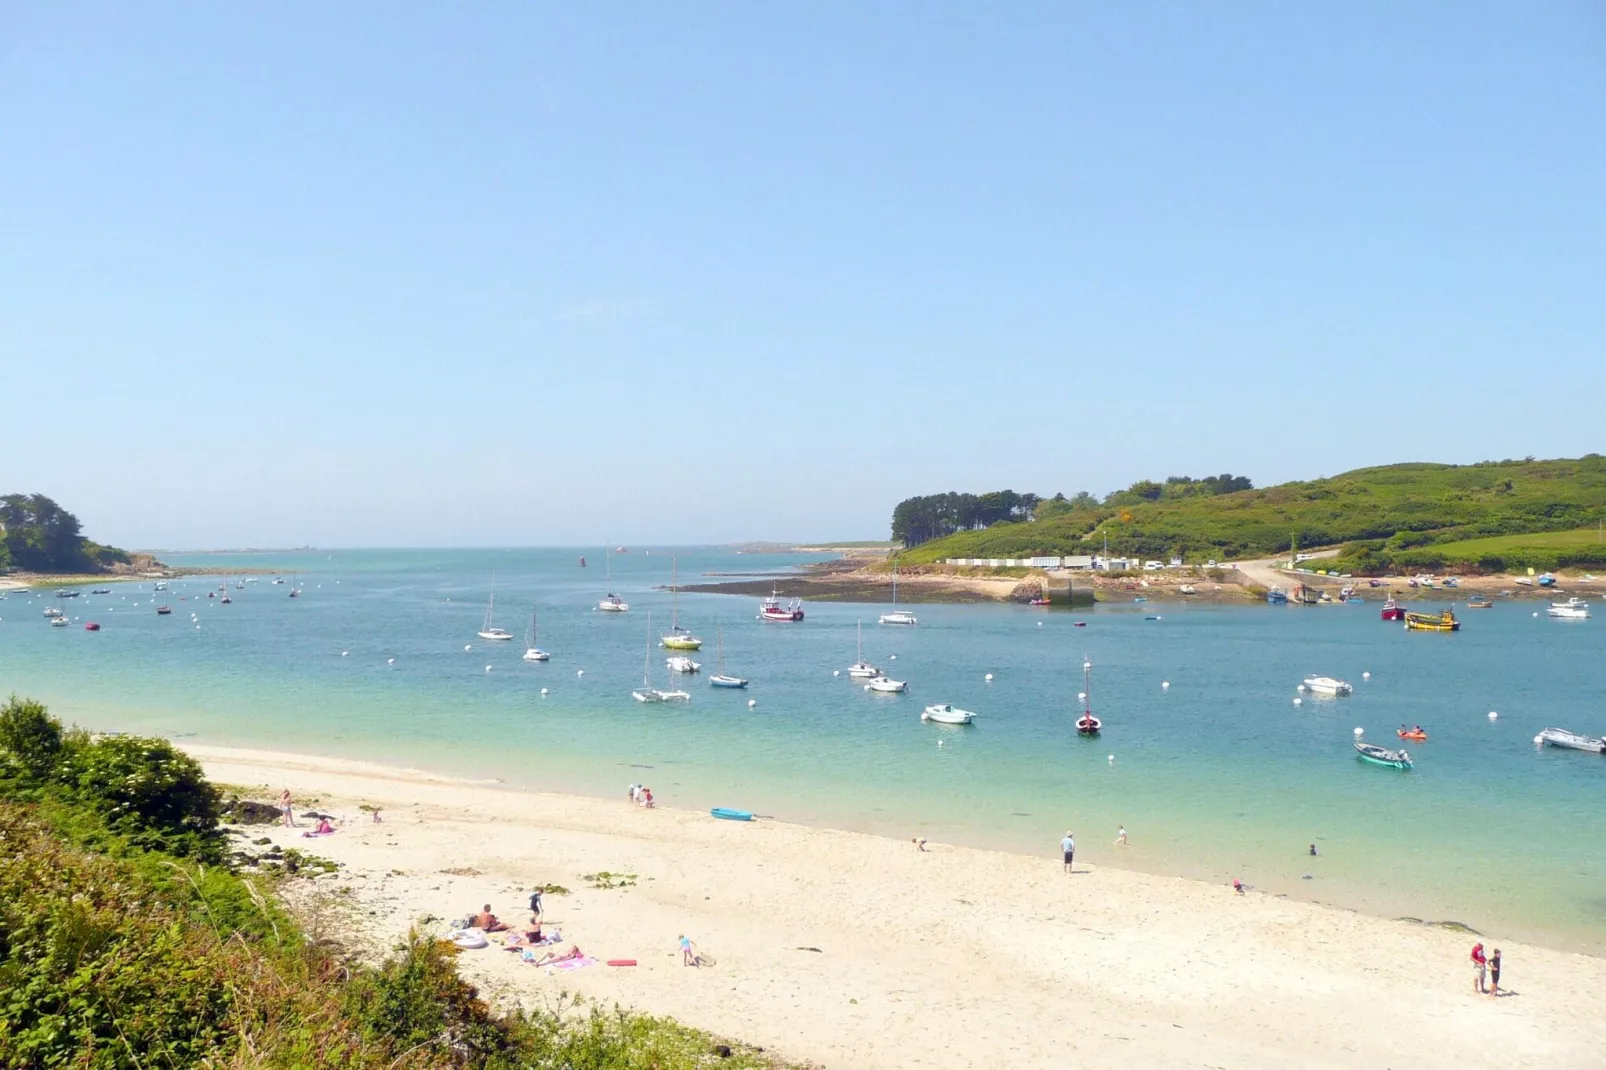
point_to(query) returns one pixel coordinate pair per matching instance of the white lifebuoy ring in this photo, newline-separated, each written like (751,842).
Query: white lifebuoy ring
(469,939)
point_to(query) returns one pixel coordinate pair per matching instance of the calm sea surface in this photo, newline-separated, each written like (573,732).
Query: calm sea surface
(1219,775)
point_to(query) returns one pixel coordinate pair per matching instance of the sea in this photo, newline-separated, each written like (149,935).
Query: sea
(1206,758)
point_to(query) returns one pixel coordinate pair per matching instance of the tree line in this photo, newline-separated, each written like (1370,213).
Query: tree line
(37,535)
(933,516)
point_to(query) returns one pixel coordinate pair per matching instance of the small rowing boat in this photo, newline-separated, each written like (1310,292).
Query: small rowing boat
(1415,734)
(942,713)
(1375,755)
(725,813)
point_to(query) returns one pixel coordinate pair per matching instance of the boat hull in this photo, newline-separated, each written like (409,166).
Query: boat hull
(1560,737)
(671,642)
(726,813)
(727,681)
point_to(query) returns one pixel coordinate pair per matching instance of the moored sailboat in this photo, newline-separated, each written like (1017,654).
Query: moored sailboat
(1087,724)
(897,616)
(721,678)
(862,669)
(611,603)
(531,651)
(489,630)
(678,638)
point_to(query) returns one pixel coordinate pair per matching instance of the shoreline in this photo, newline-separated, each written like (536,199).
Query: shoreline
(853,949)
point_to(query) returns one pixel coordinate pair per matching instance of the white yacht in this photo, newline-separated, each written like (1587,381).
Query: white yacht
(531,651)
(488,630)
(647,693)
(1572,609)
(887,685)
(862,669)
(943,713)
(897,616)
(681,663)
(1326,685)
(612,603)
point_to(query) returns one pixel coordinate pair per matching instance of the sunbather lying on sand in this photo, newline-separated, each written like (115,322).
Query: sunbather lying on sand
(550,957)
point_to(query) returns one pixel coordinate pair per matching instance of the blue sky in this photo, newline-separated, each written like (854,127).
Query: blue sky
(521,273)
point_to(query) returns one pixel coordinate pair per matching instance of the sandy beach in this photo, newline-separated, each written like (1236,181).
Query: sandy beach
(850,950)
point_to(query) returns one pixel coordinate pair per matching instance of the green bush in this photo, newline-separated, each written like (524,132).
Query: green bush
(151,790)
(30,741)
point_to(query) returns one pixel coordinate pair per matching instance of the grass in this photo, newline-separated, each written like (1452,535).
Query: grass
(1379,513)
(1582,547)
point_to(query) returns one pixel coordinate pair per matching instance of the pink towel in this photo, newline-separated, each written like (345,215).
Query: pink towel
(573,964)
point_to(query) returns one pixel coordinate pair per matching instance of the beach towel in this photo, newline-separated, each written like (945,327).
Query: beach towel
(573,964)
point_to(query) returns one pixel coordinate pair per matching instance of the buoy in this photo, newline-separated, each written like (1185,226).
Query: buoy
(989,678)
(343,653)
(1299,702)
(867,687)
(751,703)
(467,647)
(1493,716)
(1301,687)
(939,742)
(1081,696)
(390,661)
(1536,614)
(1539,739)
(1039,624)
(487,668)
(836,672)
(1112,758)
(1360,731)
(1366,676)
(543,691)
(1086,665)
(579,672)
(892,657)
(1165,685)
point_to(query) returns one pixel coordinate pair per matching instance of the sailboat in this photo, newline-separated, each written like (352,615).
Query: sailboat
(488,630)
(720,678)
(1087,724)
(295,591)
(612,603)
(862,669)
(678,638)
(897,616)
(647,693)
(531,651)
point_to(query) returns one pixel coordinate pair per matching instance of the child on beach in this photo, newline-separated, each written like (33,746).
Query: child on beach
(1494,973)
(1120,836)
(1238,886)
(688,952)
(286,809)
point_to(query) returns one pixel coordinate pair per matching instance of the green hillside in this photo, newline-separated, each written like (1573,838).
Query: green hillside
(1381,514)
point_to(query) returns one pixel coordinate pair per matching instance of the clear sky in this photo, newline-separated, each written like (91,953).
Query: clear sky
(549,273)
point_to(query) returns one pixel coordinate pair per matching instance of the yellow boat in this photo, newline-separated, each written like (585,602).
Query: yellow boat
(1432,622)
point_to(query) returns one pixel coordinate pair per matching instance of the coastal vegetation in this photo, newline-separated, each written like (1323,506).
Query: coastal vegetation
(1393,516)
(37,535)
(129,939)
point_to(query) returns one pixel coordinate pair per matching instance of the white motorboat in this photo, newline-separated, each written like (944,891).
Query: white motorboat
(489,630)
(897,616)
(59,622)
(862,669)
(1572,609)
(531,651)
(886,685)
(53,612)
(772,609)
(943,713)
(612,603)
(681,663)
(1560,737)
(1326,685)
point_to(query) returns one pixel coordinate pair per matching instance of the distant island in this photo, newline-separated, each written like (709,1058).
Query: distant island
(38,536)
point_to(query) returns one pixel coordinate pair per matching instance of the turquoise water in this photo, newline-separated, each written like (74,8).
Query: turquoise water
(1218,776)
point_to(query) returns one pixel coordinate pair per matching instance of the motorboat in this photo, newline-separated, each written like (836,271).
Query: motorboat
(897,616)
(1547,580)
(886,685)
(1572,609)
(862,669)
(1186,588)
(1375,755)
(160,586)
(1432,622)
(531,651)
(722,678)
(1326,685)
(1277,597)
(59,622)
(678,638)
(101,590)
(91,627)
(1479,602)
(1392,610)
(488,630)
(1087,724)
(942,713)
(772,609)
(1560,737)
(682,664)
(53,612)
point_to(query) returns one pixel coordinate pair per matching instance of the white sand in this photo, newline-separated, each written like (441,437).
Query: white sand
(952,958)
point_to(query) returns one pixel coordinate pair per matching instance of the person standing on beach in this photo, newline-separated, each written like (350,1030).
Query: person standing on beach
(1479,966)
(1120,836)
(688,952)
(287,809)
(1068,849)
(1494,973)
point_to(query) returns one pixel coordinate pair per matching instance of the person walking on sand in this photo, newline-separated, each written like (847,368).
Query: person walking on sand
(688,952)
(1068,849)
(1479,966)
(287,809)
(1494,974)
(1120,836)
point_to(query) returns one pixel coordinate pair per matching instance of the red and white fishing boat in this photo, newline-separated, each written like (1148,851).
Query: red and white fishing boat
(1392,610)
(772,609)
